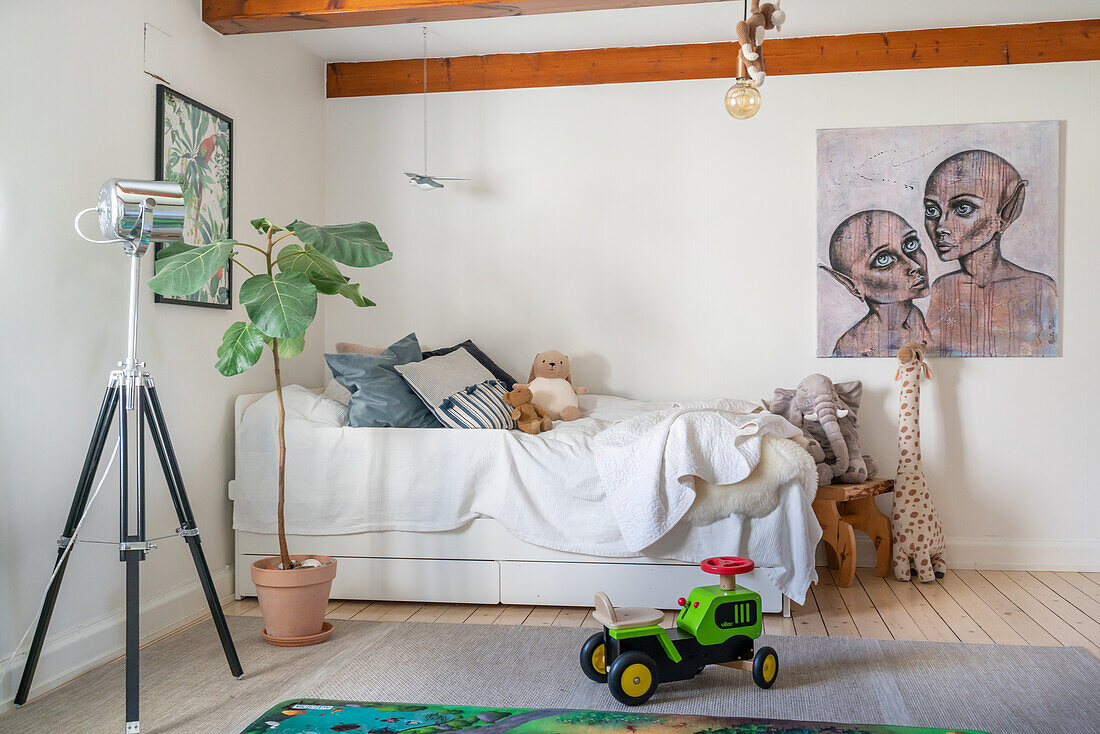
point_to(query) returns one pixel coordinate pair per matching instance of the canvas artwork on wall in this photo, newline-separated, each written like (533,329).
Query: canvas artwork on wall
(194,147)
(946,235)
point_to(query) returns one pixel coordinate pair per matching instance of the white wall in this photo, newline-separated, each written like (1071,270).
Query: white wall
(671,251)
(77,109)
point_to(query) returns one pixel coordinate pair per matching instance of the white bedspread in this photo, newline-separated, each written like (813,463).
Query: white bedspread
(649,463)
(544,489)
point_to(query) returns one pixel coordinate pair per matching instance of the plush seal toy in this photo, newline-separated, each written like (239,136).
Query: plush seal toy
(551,384)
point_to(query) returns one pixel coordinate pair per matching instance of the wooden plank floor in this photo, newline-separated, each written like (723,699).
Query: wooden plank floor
(986,607)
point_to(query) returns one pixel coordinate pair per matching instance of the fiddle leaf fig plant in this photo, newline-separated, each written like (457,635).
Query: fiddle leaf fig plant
(280,297)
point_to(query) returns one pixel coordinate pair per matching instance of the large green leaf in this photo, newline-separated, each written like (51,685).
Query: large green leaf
(310,262)
(189,271)
(281,306)
(263,224)
(357,244)
(173,249)
(321,271)
(351,292)
(288,348)
(242,345)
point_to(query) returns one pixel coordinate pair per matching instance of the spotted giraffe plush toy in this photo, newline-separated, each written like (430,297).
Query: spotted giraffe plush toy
(917,535)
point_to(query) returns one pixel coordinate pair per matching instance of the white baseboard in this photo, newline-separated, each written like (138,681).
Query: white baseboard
(75,651)
(1002,554)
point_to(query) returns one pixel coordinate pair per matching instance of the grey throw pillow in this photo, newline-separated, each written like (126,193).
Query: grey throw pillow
(460,391)
(380,397)
(477,354)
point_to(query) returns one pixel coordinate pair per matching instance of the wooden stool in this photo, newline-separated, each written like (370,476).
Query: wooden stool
(840,508)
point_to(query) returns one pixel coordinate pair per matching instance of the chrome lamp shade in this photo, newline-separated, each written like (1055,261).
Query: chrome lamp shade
(121,202)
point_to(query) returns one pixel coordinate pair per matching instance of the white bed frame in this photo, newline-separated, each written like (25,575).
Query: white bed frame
(482,563)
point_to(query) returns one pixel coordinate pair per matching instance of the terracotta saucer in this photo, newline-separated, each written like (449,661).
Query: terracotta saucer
(324,634)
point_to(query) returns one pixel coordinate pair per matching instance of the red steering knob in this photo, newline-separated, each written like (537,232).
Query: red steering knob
(727,565)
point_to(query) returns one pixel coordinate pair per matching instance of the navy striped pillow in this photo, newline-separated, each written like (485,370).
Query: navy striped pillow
(477,406)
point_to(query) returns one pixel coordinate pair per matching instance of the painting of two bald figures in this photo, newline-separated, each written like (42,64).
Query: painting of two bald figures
(944,235)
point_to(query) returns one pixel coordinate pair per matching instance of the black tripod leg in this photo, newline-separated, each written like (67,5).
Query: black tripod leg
(158,429)
(133,639)
(76,510)
(133,559)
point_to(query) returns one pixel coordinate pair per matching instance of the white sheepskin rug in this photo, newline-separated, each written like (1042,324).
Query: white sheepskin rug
(781,460)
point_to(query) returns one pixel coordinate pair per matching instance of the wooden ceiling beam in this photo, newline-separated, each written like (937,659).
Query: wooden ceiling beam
(231,17)
(1077,40)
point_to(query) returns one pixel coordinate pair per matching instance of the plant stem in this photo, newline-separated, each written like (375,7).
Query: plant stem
(284,552)
(241,265)
(252,247)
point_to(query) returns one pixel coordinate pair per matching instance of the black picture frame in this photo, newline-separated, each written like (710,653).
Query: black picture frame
(162,93)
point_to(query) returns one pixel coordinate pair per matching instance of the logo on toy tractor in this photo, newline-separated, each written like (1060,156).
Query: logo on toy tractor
(736,614)
(717,625)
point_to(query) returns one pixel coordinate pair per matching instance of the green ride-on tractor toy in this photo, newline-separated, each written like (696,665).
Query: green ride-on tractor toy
(716,625)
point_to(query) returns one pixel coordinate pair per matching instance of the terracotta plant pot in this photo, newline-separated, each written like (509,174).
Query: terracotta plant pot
(293,602)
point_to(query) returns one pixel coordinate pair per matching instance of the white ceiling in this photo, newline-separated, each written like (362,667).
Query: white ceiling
(699,23)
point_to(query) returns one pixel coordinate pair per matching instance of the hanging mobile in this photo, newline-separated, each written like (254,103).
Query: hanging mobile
(424,181)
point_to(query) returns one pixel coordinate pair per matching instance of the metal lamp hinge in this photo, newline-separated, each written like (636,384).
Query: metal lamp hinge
(136,545)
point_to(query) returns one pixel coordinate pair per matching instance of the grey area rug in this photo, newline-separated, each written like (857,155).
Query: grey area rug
(186,686)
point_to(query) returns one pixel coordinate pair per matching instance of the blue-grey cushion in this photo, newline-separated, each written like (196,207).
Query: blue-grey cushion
(480,356)
(380,397)
(459,391)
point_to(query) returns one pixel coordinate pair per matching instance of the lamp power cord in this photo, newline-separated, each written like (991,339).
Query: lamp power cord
(59,565)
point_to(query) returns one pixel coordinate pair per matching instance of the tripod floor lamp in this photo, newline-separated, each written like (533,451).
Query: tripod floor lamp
(134,213)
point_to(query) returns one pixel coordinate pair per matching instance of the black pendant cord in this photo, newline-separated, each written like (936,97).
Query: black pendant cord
(425,98)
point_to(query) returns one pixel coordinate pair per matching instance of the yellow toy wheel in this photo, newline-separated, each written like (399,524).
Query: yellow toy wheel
(765,667)
(636,680)
(594,658)
(632,678)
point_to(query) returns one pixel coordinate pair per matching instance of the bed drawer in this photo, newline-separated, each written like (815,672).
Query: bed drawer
(628,585)
(403,579)
(483,539)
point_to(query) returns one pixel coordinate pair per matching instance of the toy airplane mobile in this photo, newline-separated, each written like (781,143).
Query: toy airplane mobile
(717,625)
(424,182)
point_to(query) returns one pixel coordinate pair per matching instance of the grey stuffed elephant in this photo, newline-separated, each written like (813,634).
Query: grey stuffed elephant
(826,413)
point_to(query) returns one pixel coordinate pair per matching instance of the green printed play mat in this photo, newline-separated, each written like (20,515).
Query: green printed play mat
(318,716)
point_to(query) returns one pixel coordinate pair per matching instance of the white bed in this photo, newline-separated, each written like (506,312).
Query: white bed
(484,516)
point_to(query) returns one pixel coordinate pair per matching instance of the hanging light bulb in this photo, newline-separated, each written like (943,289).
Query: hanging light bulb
(743,99)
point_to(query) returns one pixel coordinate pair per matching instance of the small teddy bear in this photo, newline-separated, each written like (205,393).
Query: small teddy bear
(530,418)
(552,385)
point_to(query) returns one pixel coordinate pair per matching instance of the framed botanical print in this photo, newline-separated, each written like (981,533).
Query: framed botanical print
(194,147)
